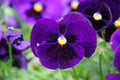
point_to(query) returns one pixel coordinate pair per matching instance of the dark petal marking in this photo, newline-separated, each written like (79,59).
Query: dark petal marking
(93,7)
(32,14)
(54,56)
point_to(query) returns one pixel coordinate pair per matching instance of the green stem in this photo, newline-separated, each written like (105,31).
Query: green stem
(103,36)
(10,53)
(100,67)
(75,74)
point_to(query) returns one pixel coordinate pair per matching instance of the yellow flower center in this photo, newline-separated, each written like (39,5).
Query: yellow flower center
(97,16)
(38,7)
(62,40)
(74,4)
(117,23)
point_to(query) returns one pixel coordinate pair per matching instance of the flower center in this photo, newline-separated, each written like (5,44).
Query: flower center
(97,16)
(38,7)
(74,4)
(117,23)
(62,40)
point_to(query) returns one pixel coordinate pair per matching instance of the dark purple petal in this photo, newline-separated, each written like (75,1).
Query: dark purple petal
(80,31)
(54,56)
(92,7)
(20,61)
(115,39)
(114,6)
(108,32)
(116,60)
(44,31)
(113,77)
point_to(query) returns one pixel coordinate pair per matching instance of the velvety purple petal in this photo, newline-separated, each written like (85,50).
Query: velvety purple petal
(116,60)
(115,39)
(92,7)
(22,46)
(112,77)
(44,31)
(54,56)
(114,6)
(80,31)
(20,61)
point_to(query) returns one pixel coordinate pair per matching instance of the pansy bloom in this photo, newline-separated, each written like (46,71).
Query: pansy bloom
(97,12)
(32,10)
(18,45)
(114,6)
(64,43)
(115,44)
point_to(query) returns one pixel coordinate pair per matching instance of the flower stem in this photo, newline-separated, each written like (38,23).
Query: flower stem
(100,66)
(63,75)
(75,74)
(10,53)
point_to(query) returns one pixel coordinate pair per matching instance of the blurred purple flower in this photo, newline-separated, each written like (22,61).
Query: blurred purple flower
(97,12)
(16,40)
(114,6)
(32,10)
(113,77)
(11,21)
(63,44)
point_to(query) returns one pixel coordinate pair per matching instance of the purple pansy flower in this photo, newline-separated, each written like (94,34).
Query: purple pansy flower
(64,43)
(114,6)
(113,77)
(16,40)
(32,10)
(97,12)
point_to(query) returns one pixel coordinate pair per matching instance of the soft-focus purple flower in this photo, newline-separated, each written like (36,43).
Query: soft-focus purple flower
(32,10)
(113,77)
(97,12)
(11,21)
(16,40)
(63,44)
(115,40)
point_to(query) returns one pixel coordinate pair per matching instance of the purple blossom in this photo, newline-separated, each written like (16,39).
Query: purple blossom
(64,43)
(115,40)
(115,10)
(97,12)
(16,40)
(32,10)
(115,44)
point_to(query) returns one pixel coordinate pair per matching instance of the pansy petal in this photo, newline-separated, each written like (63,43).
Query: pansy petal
(115,39)
(113,77)
(20,61)
(82,33)
(44,31)
(54,56)
(116,60)
(23,45)
(92,7)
